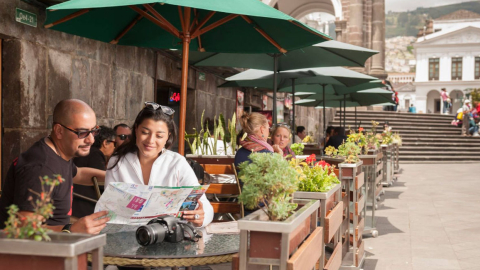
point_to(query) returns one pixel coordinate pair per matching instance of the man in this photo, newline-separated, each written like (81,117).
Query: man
(301,134)
(101,150)
(446,101)
(74,125)
(123,133)
(337,139)
(412,109)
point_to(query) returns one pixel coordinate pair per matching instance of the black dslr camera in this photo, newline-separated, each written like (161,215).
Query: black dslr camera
(168,229)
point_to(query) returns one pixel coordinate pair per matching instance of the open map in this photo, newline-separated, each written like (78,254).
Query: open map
(138,204)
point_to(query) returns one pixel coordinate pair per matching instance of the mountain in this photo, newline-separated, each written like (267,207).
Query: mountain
(407,23)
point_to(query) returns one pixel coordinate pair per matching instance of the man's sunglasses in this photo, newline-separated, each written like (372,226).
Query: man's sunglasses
(154,106)
(114,143)
(82,134)
(123,137)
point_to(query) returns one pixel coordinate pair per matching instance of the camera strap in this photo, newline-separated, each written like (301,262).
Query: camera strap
(190,233)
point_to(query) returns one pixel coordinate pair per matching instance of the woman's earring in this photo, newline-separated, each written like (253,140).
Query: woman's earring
(163,150)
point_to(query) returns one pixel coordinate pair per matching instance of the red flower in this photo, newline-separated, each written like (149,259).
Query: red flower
(360,129)
(322,163)
(59,178)
(42,195)
(311,158)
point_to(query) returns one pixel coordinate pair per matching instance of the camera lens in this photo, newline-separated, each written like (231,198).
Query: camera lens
(151,234)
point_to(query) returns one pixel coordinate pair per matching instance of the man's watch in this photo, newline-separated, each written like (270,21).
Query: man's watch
(66,228)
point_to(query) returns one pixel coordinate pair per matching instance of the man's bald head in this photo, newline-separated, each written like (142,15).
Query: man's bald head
(67,109)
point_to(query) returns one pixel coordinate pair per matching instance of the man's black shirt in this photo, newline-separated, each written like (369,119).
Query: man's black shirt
(336,141)
(81,207)
(25,172)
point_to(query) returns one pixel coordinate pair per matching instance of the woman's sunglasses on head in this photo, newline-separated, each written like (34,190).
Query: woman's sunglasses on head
(155,106)
(82,134)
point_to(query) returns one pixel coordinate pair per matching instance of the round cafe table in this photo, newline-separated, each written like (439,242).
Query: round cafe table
(122,249)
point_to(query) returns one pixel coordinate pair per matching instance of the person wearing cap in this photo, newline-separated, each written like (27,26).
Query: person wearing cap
(466,117)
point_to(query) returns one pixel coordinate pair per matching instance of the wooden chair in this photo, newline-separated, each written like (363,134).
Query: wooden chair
(224,195)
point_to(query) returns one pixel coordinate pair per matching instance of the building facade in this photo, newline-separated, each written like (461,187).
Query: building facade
(448,57)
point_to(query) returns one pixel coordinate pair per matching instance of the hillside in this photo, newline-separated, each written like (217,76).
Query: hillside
(407,23)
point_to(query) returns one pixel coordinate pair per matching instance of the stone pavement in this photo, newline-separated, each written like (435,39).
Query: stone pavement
(430,220)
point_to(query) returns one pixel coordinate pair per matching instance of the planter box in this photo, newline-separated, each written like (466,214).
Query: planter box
(211,159)
(333,161)
(65,251)
(348,168)
(273,242)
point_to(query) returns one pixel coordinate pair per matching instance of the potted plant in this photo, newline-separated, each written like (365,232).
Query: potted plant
(281,224)
(26,244)
(317,180)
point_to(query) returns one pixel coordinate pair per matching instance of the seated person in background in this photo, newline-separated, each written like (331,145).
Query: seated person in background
(330,133)
(210,124)
(146,160)
(301,134)
(281,137)
(337,139)
(123,134)
(412,109)
(100,152)
(73,130)
(257,129)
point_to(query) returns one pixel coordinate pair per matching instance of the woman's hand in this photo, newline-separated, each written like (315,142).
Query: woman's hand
(277,149)
(190,215)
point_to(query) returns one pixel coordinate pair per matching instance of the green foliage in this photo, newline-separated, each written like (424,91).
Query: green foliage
(331,151)
(350,151)
(270,180)
(475,95)
(319,177)
(30,227)
(359,139)
(297,148)
(371,138)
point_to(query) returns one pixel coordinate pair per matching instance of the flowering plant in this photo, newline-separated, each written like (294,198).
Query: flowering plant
(350,151)
(297,148)
(314,176)
(30,227)
(308,139)
(371,137)
(397,139)
(359,139)
(331,151)
(387,137)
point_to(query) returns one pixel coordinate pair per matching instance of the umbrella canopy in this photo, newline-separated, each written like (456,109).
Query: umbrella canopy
(362,98)
(327,75)
(326,54)
(316,91)
(228,26)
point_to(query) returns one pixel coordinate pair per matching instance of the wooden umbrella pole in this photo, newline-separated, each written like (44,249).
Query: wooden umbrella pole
(293,107)
(183,90)
(324,119)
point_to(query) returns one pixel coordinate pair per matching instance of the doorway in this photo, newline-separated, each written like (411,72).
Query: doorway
(168,95)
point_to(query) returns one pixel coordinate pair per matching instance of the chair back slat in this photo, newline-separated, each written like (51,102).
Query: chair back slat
(218,169)
(223,189)
(226,207)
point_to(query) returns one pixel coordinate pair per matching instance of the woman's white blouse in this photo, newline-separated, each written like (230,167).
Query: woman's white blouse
(169,169)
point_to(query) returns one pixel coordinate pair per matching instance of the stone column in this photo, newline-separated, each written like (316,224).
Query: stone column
(355,22)
(340,27)
(378,39)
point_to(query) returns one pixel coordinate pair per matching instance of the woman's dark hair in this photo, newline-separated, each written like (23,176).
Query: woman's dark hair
(330,129)
(146,113)
(105,133)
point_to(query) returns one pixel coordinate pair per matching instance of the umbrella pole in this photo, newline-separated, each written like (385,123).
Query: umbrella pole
(356,118)
(344,110)
(341,122)
(275,71)
(324,119)
(183,89)
(293,108)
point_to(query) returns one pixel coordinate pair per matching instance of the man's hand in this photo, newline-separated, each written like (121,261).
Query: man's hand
(91,224)
(190,215)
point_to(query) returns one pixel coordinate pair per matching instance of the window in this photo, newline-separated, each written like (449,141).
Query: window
(433,69)
(456,68)
(477,68)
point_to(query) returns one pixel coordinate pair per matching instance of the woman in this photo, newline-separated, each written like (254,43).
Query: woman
(145,159)
(255,125)
(281,138)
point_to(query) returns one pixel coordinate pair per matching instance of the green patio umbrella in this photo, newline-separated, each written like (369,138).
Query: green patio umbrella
(286,80)
(362,98)
(228,26)
(315,91)
(326,54)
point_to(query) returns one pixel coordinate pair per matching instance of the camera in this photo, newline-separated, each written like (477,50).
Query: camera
(168,229)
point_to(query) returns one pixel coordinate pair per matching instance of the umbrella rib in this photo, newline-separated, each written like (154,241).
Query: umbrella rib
(162,19)
(155,21)
(344,57)
(202,23)
(215,24)
(310,30)
(68,18)
(195,21)
(128,28)
(182,22)
(264,34)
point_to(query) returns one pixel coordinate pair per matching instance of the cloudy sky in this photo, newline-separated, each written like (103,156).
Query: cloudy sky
(404,5)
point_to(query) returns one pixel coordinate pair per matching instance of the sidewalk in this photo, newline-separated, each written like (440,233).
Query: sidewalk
(430,219)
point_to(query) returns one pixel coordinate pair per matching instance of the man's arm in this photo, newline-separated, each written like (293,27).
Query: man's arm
(84,176)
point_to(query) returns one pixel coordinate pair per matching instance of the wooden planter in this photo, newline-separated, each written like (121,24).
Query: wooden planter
(353,181)
(331,217)
(280,242)
(333,161)
(65,251)
(211,159)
